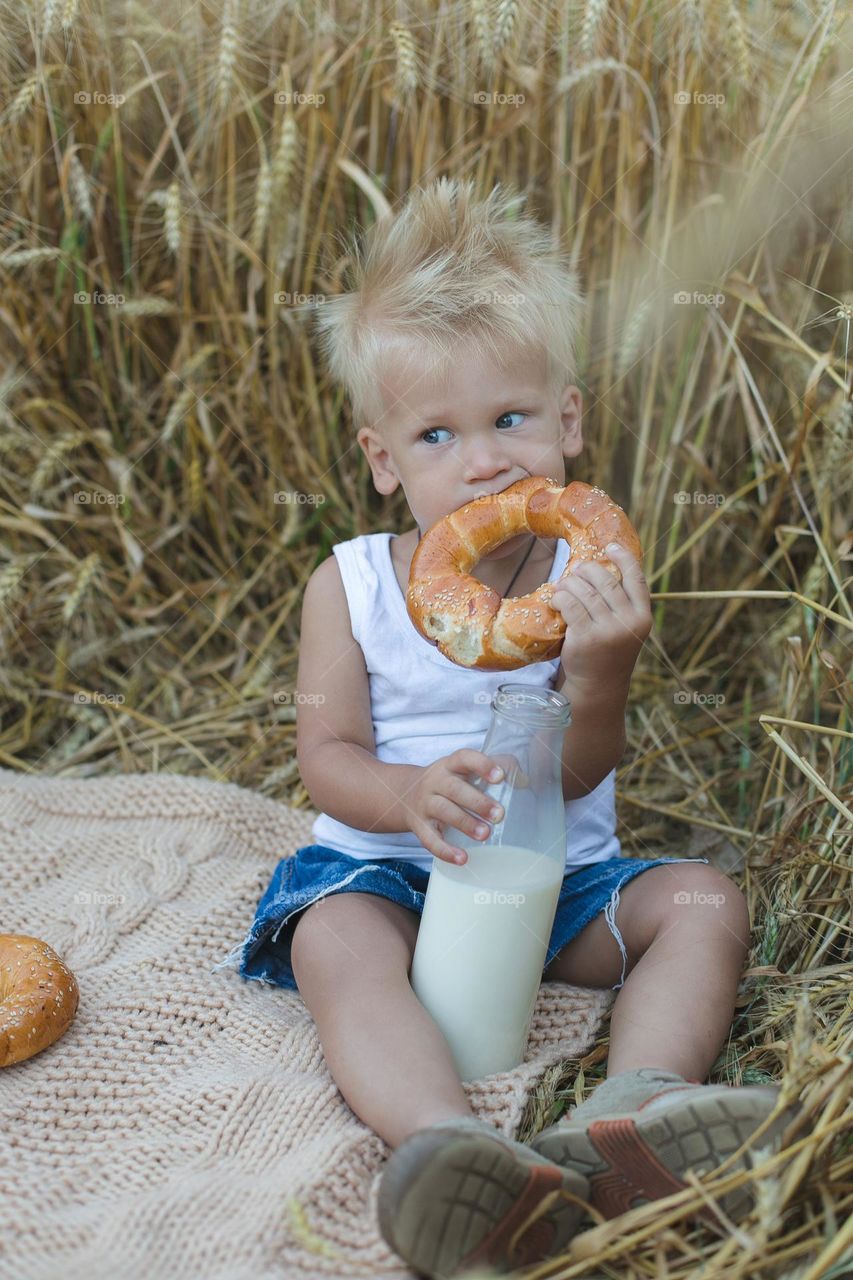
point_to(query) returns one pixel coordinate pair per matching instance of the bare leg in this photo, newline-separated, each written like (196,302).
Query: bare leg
(385,1052)
(676,1006)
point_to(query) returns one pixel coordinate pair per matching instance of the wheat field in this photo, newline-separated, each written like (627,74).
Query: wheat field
(174,462)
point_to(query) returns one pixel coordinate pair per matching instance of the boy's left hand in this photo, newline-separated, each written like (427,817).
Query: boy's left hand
(606,621)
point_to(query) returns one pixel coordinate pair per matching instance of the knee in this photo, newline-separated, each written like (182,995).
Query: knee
(713,895)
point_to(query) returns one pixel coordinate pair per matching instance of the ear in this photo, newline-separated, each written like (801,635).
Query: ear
(385,478)
(571,412)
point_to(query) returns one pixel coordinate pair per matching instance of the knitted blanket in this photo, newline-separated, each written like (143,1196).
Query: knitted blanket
(186,1125)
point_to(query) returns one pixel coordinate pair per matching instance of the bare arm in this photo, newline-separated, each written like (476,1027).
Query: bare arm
(352,785)
(335,746)
(595,741)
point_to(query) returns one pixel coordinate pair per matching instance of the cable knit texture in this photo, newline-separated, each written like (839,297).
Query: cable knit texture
(186,1124)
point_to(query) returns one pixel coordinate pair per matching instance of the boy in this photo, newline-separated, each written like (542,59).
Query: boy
(463,326)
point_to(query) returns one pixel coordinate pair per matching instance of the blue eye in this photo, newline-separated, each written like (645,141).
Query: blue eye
(514,414)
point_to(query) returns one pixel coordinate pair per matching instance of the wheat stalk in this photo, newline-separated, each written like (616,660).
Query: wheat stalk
(483,32)
(263,203)
(172,217)
(176,413)
(69,13)
(148,307)
(792,619)
(693,22)
(285,157)
(20,257)
(406,72)
(813,64)
(227,55)
(286,242)
(84,576)
(23,99)
(799,1050)
(50,7)
(196,484)
(9,382)
(587,71)
(51,459)
(10,577)
(505,21)
(633,336)
(301,1228)
(79,184)
(737,42)
(840,451)
(595,12)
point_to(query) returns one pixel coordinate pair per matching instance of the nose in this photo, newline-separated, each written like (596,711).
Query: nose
(484,461)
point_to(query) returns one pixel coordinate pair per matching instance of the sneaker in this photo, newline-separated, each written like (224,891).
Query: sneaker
(636,1140)
(458,1194)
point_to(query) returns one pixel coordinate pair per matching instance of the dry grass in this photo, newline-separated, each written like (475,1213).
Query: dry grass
(152,623)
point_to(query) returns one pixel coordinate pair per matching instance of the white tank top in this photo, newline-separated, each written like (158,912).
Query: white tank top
(424,706)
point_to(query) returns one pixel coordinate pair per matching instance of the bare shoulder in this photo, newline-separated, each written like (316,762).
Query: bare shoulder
(334,691)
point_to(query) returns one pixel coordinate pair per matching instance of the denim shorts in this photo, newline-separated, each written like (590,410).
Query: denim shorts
(316,871)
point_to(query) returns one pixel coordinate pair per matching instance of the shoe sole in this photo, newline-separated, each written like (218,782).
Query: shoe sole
(640,1156)
(448,1202)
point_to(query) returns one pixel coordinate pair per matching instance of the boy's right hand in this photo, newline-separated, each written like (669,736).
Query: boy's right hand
(441,796)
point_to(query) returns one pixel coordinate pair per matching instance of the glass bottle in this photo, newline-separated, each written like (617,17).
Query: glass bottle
(486,924)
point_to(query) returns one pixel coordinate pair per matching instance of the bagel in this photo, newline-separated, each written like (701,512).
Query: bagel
(38,997)
(470,623)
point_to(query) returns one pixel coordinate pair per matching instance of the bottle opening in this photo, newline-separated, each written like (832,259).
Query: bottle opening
(531,704)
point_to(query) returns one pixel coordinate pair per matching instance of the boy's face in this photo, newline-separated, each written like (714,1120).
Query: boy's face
(475,433)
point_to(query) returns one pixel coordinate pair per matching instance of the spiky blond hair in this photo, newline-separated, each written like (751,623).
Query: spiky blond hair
(444,269)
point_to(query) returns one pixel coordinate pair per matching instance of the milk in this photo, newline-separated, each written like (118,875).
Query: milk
(481,949)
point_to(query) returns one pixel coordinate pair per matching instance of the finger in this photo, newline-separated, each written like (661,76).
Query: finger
(430,838)
(601,589)
(466,760)
(448,813)
(573,604)
(633,579)
(593,598)
(468,797)
(606,577)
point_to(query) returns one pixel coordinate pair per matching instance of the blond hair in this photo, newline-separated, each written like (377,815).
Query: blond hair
(447,268)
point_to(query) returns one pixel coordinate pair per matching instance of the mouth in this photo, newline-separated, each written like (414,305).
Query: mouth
(491,493)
